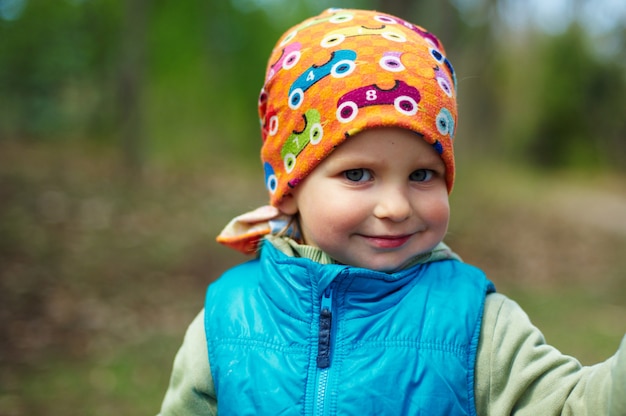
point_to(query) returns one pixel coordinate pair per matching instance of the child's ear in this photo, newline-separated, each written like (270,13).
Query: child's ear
(288,205)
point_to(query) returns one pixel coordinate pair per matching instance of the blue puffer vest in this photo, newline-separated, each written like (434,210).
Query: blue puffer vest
(289,336)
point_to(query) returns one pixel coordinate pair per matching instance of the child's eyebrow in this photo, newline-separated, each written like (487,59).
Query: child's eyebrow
(355,160)
(358,161)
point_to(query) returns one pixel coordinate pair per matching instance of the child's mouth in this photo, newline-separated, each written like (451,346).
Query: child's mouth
(387,242)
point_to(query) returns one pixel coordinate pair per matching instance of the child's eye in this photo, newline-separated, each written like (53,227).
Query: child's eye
(421,175)
(357,175)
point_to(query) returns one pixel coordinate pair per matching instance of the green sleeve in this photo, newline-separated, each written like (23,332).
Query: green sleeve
(517,373)
(618,392)
(191,391)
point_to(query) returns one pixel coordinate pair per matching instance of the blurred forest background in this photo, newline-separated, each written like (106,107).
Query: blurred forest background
(129,137)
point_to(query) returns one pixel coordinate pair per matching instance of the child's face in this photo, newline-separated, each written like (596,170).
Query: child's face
(376,202)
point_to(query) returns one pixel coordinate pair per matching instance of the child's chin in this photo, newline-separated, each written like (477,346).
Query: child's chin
(383,266)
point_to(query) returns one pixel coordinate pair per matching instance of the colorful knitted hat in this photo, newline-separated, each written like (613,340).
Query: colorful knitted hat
(345,71)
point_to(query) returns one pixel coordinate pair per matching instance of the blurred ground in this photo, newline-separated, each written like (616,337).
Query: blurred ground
(100,275)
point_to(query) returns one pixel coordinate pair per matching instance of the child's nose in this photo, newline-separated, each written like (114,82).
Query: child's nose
(393,204)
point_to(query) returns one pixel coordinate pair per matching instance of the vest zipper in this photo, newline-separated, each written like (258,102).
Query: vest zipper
(324,347)
(326,321)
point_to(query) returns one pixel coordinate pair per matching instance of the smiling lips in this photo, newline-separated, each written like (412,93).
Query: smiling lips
(387,242)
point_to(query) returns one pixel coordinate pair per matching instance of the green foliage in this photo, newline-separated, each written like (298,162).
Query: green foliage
(54,62)
(205,77)
(562,106)
(578,104)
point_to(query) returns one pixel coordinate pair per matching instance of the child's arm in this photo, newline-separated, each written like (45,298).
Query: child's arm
(518,373)
(191,391)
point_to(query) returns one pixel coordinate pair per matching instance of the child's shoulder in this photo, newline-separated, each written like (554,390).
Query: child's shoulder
(506,325)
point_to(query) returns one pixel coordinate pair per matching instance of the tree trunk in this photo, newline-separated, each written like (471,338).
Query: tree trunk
(130,84)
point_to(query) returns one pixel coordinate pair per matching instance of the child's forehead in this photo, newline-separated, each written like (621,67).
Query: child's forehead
(384,143)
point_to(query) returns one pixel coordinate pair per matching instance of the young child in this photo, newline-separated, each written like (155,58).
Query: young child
(353,304)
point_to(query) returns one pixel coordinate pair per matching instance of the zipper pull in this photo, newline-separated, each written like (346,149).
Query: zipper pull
(326,319)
